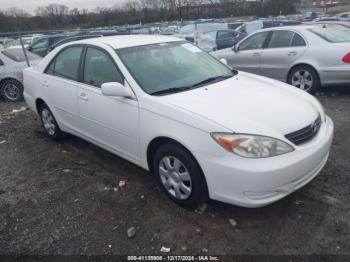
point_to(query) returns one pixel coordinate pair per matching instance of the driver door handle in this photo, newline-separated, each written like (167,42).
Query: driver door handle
(256,54)
(82,96)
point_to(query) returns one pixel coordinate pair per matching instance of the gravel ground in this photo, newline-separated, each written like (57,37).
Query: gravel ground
(63,199)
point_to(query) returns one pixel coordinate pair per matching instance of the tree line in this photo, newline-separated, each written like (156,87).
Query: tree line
(57,16)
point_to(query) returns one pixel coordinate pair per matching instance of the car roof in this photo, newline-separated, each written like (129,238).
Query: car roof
(292,27)
(124,41)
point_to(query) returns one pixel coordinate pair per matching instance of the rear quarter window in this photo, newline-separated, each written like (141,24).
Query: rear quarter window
(17,55)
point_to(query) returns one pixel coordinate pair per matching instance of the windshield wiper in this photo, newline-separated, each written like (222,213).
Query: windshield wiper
(172,90)
(212,80)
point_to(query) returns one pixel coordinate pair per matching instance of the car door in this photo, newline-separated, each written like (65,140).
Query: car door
(113,122)
(226,38)
(246,56)
(284,47)
(60,87)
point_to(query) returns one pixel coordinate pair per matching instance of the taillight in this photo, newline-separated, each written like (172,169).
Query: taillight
(346,59)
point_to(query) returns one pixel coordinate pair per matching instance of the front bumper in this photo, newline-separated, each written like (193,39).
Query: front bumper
(259,182)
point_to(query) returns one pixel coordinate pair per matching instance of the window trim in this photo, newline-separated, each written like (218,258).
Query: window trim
(82,64)
(54,60)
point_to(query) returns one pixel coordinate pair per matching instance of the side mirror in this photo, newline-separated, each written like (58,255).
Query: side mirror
(116,89)
(235,48)
(224,61)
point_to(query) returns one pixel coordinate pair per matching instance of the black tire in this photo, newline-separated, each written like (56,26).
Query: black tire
(199,191)
(316,83)
(11,90)
(54,131)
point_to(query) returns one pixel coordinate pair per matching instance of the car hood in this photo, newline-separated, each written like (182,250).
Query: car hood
(250,104)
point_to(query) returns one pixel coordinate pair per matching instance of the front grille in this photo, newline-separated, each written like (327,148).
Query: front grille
(306,134)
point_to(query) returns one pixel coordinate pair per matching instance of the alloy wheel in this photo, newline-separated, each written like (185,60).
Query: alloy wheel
(303,80)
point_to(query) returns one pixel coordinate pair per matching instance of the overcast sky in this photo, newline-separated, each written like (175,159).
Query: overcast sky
(31,5)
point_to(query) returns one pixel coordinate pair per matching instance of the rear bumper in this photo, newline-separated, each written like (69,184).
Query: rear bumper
(335,76)
(259,182)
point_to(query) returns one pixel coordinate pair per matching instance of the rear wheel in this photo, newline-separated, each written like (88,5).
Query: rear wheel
(180,176)
(49,123)
(305,78)
(11,90)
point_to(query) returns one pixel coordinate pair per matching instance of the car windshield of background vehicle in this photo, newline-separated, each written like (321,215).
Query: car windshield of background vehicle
(175,66)
(17,55)
(332,34)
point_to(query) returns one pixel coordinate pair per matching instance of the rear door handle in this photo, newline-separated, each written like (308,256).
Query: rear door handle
(45,84)
(292,53)
(82,96)
(256,54)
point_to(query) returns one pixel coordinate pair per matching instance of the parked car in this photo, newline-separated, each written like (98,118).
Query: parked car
(326,19)
(344,16)
(42,46)
(72,39)
(219,39)
(279,23)
(12,63)
(203,129)
(192,32)
(16,43)
(330,23)
(304,56)
(250,27)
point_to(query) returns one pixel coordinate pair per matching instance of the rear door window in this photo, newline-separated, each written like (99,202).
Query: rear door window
(280,39)
(66,63)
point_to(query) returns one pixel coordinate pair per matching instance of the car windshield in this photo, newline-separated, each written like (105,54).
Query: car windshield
(172,67)
(332,34)
(17,55)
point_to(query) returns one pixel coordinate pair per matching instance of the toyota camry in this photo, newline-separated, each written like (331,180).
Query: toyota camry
(202,128)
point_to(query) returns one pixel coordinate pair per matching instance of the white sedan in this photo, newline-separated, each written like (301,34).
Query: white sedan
(205,130)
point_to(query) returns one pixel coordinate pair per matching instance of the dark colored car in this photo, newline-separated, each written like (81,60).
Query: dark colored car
(219,39)
(42,46)
(71,39)
(277,23)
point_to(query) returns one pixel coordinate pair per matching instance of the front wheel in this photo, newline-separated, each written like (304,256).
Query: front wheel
(305,78)
(180,176)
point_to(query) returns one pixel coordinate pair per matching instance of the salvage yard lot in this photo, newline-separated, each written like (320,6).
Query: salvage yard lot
(63,198)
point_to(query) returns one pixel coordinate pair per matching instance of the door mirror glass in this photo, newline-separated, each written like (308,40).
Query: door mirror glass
(116,89)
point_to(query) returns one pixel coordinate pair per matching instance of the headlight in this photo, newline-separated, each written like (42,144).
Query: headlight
(252,146)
